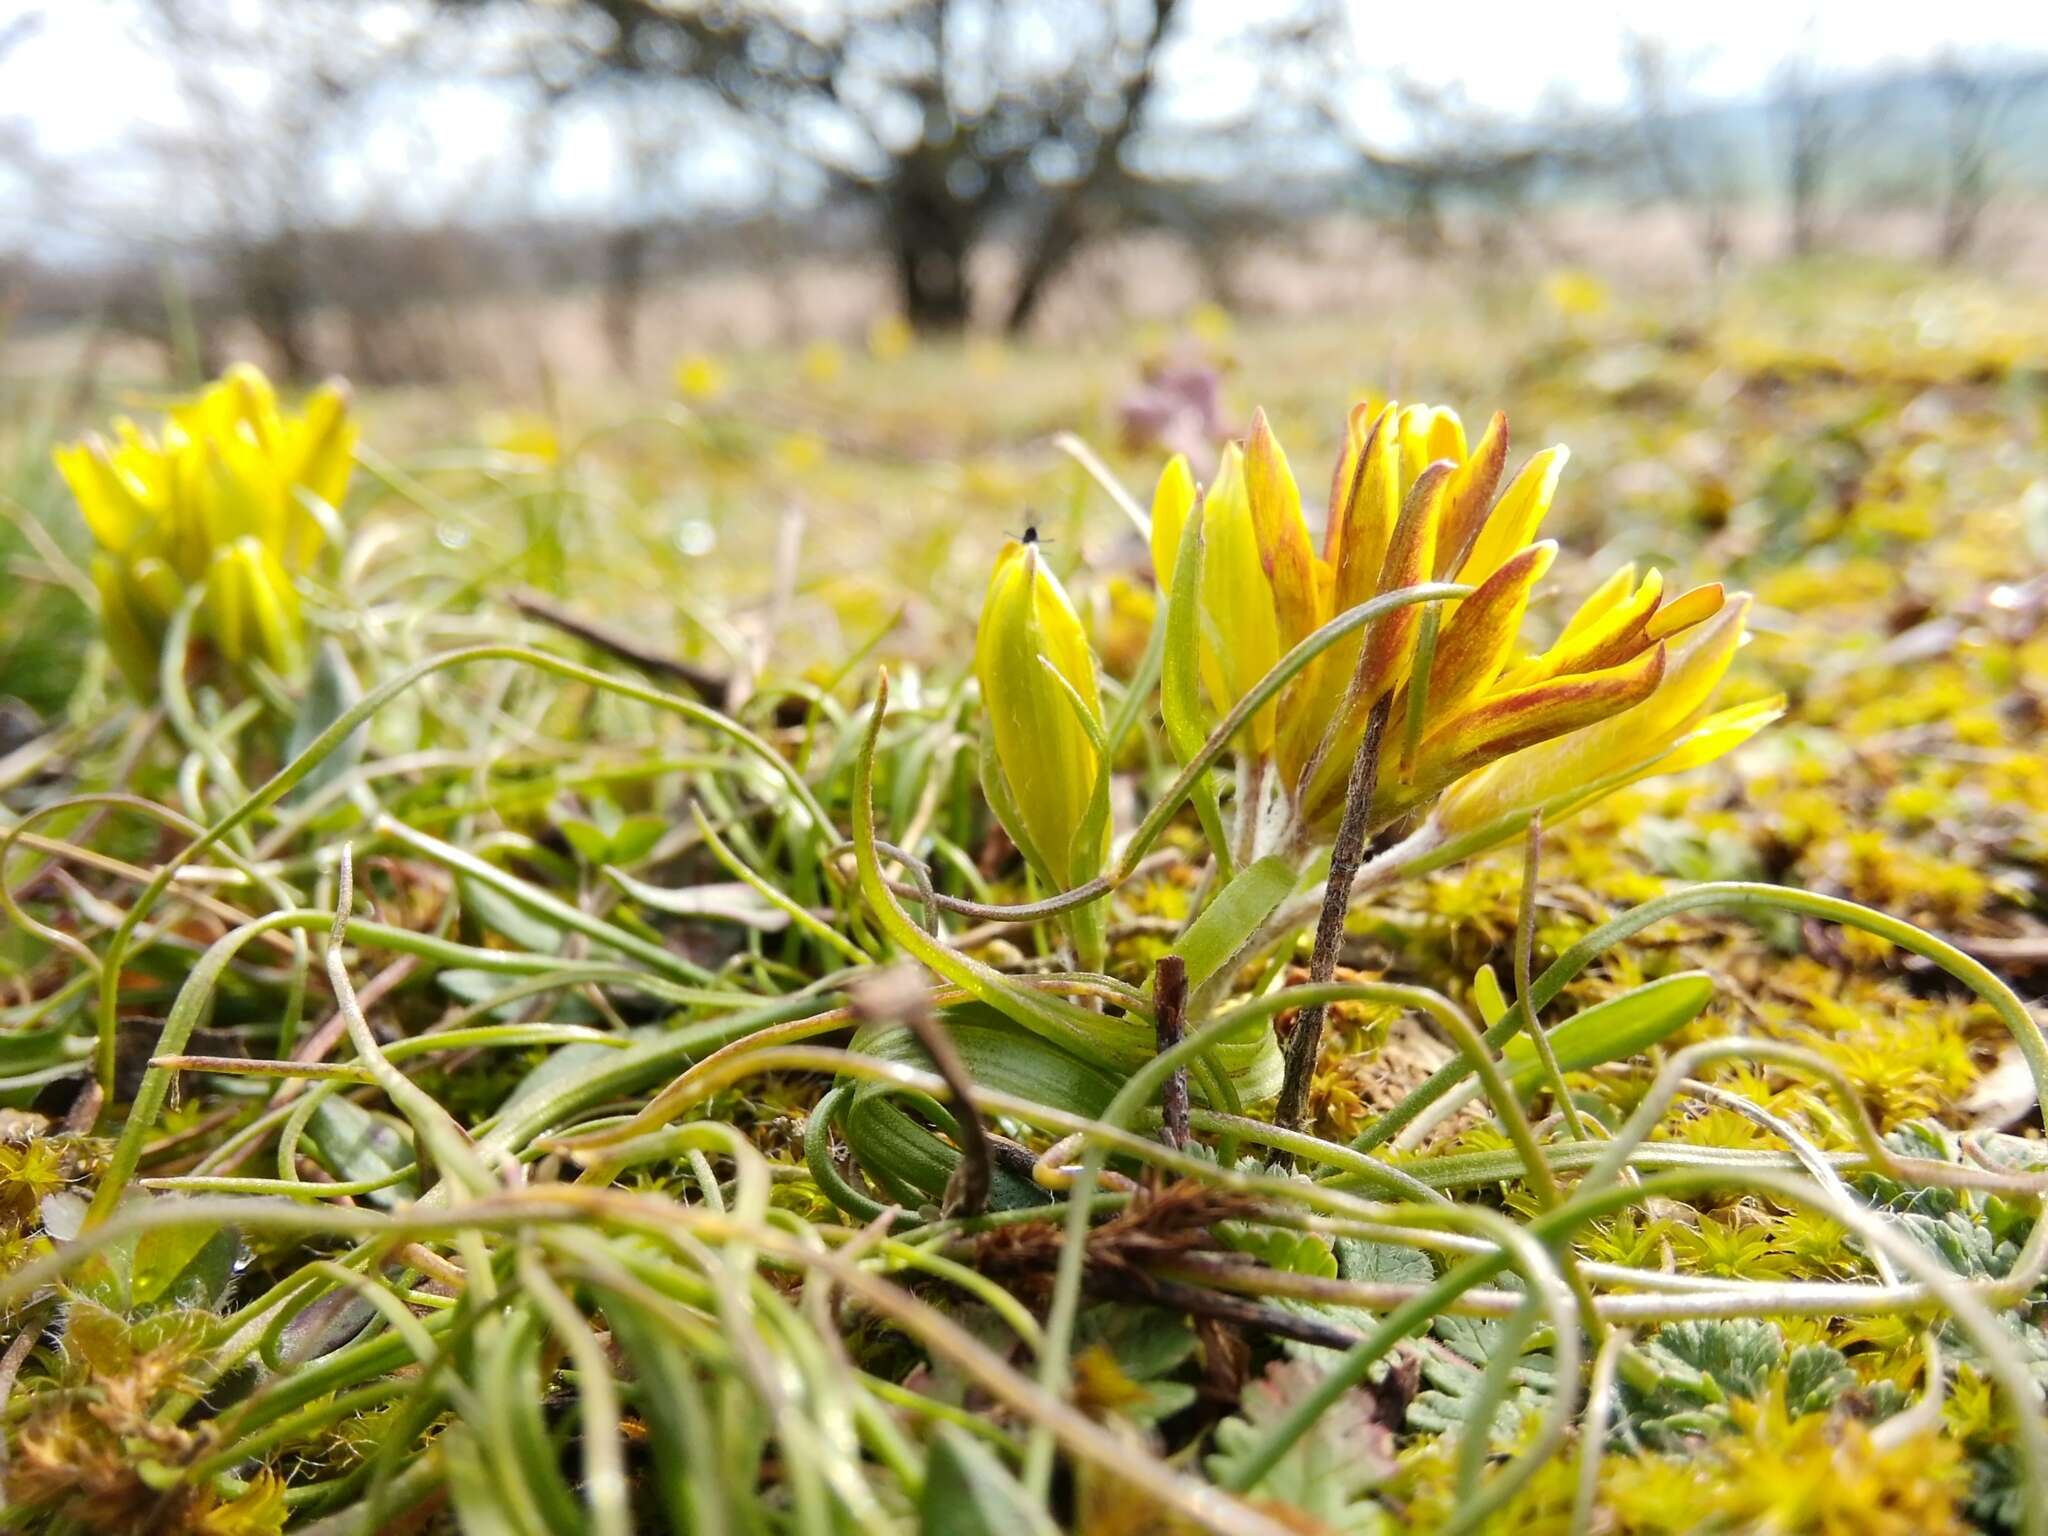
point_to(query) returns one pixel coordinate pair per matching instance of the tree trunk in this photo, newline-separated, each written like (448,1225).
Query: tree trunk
(931,234)
(1057,242)
(277,295)
(625,284)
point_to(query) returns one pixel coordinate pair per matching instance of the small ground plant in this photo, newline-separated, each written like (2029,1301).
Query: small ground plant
(1191,1060)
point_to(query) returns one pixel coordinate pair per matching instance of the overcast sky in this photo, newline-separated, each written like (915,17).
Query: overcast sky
(86,83)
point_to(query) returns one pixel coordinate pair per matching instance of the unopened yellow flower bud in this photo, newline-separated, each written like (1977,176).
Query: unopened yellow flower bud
(1045,718)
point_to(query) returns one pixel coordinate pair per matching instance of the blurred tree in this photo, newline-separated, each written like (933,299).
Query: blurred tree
(270,93)
(25,176)
(1811,127)
(953,120)
(1689,161)
(1978,97)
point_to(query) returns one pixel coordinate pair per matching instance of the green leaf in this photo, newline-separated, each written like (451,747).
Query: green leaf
(1234,916)
(1487,998)
(502,915)
(1328,1475)
(592,843)
(1361,1259)
(1282,1248)
(890,1143)
(1615,1030)
(1815,1377)
(967,1492)
(634,837)
(331,692)
(1738,1354)
(164,1269)
(356,1146)
(1180,685)
(1455,1376)
(731,901)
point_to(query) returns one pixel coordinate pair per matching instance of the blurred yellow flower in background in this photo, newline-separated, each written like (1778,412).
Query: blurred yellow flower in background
(889,338)
(1575,294)
(822,362)
(700,377)
(528,437)
(800,452)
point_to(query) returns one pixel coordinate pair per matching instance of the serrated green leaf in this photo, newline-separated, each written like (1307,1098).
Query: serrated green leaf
(1816,1375)
(1327,1476)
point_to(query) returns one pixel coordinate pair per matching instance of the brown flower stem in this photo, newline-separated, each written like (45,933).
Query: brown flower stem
(1305,1046)
(713,687)
(1169,1015)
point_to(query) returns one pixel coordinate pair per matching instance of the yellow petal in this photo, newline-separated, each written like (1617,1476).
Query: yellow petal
(1429,434)
(109,501)
(1238,621)
(1685,610)
(1505,723)
(1173,499)
(1637,738)
(1616,633)
(1284,548)
(1471,497)
(323,445)
(1480,635)
(1362,519)
(1516,516)
(1411,555)
(1718,735)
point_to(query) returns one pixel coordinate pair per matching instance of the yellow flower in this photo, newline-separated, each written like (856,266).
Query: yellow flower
(800,452)
(1622,692)
(823,362)
(1210,324)
(889,338)
(1574,293)
(526,437)
(1665,727)
(234,495)
(1045,717)
(700,377)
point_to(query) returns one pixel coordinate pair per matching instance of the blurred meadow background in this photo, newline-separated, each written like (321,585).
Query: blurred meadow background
(754,329)
(738,338)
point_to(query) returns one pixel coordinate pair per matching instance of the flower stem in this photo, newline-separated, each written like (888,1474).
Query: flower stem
(1304,1047)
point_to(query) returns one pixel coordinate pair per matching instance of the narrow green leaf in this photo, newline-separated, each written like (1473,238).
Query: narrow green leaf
(1180,685)
(1234,915)
(1614,1030)
(331,692)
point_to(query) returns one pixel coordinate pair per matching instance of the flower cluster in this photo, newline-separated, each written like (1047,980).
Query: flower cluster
(1496,732)
(234,496)
(1482,734)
